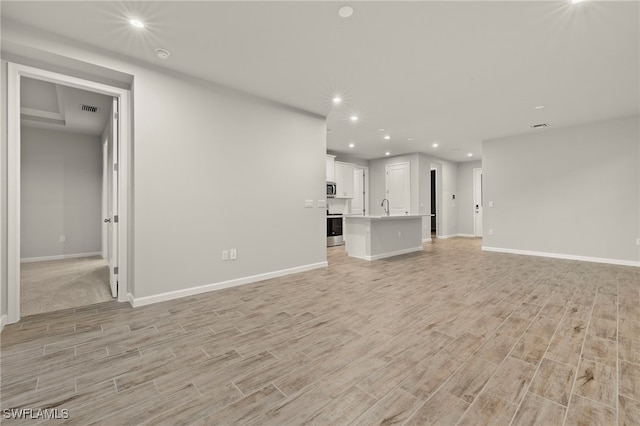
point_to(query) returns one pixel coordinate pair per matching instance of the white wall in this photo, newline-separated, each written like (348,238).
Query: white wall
(464,197)
(571,191)
(449,216)
(213,169)
(222,172)
(61,193)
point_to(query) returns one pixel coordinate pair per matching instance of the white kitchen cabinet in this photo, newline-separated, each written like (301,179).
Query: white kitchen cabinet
(344,180)
(331,171)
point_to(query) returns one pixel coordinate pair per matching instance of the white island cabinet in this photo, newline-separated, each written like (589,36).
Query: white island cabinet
(377,237)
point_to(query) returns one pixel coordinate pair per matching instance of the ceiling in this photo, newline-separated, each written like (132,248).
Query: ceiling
(52,106)
(448,72)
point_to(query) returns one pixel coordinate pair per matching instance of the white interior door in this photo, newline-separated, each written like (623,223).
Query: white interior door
(112,220)
(357,202)
(398,183)
(477,202)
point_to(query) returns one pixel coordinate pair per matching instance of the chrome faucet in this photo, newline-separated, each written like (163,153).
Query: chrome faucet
(386,210)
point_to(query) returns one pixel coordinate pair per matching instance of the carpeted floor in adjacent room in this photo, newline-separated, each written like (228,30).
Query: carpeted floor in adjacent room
(61,284)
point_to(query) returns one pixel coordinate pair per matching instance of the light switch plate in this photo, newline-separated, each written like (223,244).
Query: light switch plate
(490,203)
(308,203)
(322,204)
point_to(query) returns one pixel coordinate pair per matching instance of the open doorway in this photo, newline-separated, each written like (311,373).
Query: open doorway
(64,134)
(47,214)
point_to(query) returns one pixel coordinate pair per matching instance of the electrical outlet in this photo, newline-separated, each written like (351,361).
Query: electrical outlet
(63,238)
(225,254)
(399,234)
(490,231)
(638,241)
(491,204)
(233,254)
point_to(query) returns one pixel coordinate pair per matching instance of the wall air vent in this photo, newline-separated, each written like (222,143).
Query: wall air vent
(539,126)
(89,108)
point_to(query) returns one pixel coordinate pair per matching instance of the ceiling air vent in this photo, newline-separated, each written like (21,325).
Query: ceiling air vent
(89,108)
(540,126)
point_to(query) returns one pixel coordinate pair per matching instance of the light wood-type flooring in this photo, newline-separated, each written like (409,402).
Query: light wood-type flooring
(450,335)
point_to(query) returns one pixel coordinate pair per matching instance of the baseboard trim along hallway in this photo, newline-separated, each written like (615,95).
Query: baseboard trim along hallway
(563,256)
(162,297)
(59,257)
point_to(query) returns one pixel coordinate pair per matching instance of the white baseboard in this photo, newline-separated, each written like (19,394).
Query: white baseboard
(58,257)
(3,322)
(389,254)
(162,297)
(427,240)
(445,237)
(563,256)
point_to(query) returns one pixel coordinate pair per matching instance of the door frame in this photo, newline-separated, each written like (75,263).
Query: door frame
(365,186)
(481,204)
(14,73)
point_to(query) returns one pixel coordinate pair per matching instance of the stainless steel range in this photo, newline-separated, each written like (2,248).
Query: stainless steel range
(334,230)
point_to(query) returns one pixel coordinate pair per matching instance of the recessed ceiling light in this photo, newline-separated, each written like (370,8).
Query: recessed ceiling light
(162,53)
(351,145)
(337,100)
(435,145)
(387,137)
(575,1)
(381,130)
(136,23)
(387,153)
(354,118)
(409,139)
(539,107)
(345,11)
(469,155)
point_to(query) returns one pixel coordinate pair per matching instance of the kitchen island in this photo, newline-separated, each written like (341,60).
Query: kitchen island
(377,237)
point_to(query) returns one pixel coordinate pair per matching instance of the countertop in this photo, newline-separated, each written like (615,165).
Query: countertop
(396,217)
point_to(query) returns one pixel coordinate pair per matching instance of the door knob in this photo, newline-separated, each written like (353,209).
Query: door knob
(107,220)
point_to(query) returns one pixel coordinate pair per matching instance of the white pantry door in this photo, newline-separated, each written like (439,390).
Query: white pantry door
(398,183)
(477,202)
(357,202)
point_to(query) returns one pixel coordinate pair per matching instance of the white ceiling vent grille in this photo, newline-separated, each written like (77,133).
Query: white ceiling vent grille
(89,108)
(540,125)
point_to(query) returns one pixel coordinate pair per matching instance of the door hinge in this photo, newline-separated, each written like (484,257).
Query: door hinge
(117,286)
(115,167)
(115,270)
(115,219)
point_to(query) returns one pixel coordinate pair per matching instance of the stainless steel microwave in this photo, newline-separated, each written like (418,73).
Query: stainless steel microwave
(331,189)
